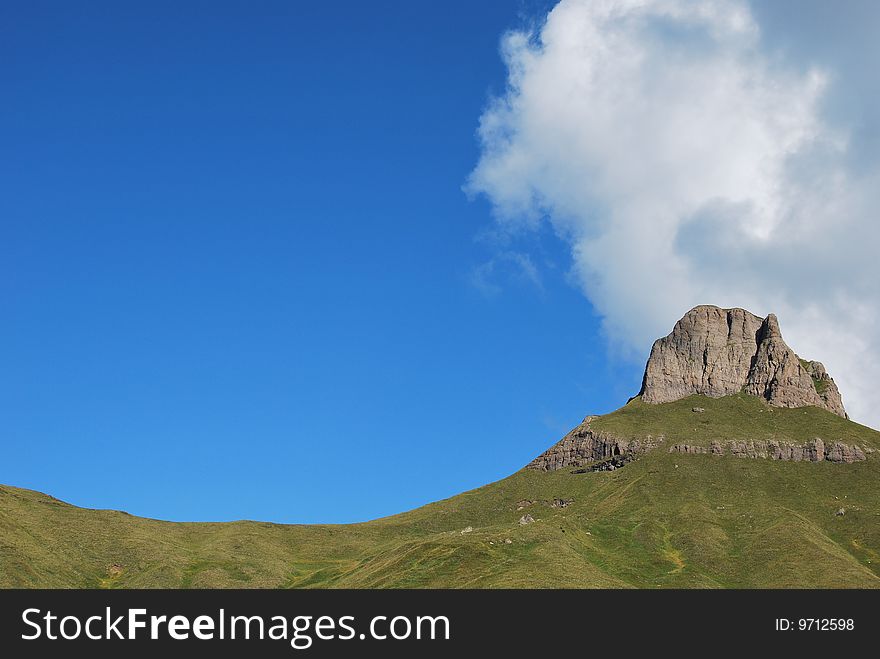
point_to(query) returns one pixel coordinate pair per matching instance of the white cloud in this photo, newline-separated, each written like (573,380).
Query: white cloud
(686,164)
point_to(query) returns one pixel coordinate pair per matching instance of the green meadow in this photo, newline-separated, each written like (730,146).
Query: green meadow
(666,520)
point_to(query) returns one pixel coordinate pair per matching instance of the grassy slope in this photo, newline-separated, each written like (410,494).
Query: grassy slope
(739,417)
(666,520)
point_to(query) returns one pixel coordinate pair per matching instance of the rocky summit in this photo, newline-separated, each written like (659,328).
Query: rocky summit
(718,352)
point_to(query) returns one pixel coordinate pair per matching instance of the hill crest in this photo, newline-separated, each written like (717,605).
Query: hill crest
(740,359)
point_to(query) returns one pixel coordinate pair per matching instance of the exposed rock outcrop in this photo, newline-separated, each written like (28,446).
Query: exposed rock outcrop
(826,388)
(709,352)
(812,451)
(598,451)
(583,446)
(717,352)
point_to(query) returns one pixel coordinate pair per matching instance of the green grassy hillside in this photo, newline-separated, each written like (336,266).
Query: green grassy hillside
(665,520)
(740,417)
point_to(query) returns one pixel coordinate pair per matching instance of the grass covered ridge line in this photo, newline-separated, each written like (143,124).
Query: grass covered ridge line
(664,520)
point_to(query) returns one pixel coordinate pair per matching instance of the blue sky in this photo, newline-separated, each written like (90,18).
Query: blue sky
(281,262)
(240,278)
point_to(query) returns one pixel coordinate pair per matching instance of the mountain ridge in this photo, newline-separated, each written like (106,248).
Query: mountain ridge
(718,352)
(666,520)
(749,489)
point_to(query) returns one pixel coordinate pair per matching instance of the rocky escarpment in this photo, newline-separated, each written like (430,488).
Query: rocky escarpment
(596,450)
(812,451)
(825,387)
(718,352)
(583,446)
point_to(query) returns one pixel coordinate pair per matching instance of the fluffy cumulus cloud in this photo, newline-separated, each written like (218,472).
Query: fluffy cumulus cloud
(686,161)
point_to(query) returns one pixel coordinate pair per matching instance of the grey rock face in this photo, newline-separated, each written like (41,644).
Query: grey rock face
(826,388)
(777,374)
(717,352)
(709,352)
(583,446)
(812,451)
(840,452)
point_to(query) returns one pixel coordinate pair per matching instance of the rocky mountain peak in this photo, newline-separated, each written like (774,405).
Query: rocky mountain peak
(770,327)
(717,352)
